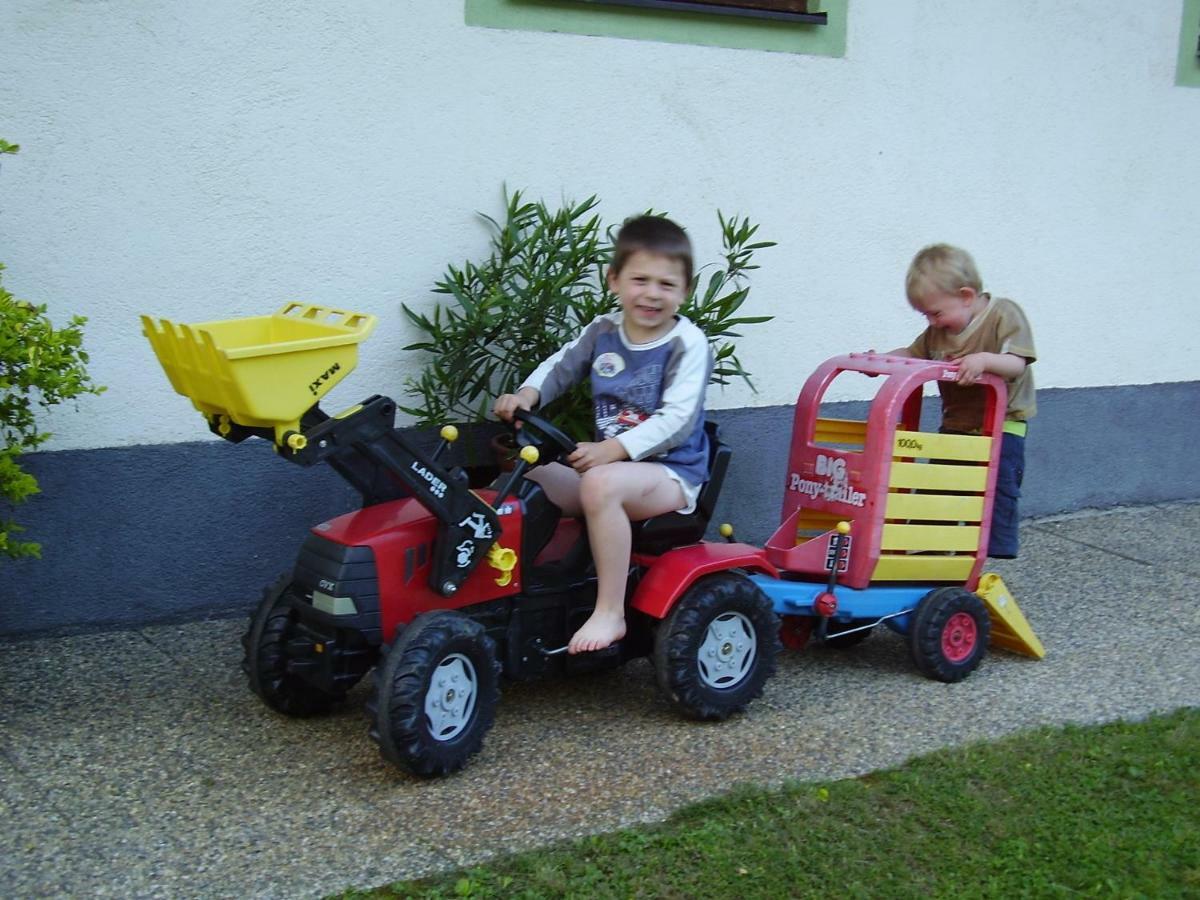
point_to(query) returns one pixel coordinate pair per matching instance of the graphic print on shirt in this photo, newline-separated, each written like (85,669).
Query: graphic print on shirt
(639,397)
(609,364)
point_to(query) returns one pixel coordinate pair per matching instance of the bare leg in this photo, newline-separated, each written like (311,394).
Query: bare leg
(612,496)
(561,484)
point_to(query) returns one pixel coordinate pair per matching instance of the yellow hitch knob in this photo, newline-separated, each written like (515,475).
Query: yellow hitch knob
(449,434)
(529,454)
(297,441)
(843,527)
(726,530)
(504,559)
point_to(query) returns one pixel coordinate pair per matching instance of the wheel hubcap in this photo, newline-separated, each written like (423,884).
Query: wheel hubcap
(728,650)
(450,700)
(959,637)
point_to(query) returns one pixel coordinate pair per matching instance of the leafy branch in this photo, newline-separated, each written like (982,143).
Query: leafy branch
(543,281)
(40,367)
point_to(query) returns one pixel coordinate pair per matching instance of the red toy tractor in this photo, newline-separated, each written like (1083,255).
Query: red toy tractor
(441,589)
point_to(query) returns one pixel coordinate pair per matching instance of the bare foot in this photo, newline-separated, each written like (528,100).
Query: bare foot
(598,632)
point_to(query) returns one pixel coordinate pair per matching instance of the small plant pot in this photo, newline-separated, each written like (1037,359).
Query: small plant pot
(504,447)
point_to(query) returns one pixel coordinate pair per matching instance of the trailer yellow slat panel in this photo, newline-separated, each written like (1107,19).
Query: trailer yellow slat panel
(936,507)
(931,537)
(919,567)
(931,476)
(929,445)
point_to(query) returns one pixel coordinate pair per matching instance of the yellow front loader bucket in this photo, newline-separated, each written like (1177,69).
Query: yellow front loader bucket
(1010,629)
(261,371)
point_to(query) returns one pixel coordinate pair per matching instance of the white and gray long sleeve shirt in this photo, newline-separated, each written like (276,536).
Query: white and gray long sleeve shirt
(650,397)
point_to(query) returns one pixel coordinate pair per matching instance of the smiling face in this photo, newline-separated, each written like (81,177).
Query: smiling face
(950,312)
(651,288)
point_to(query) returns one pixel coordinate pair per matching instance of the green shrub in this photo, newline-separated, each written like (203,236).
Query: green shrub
(541,284)
(40,366)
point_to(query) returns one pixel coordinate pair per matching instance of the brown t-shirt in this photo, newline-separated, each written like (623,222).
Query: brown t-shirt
(1000,328)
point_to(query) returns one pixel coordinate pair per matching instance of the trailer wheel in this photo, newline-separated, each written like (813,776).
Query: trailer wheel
(949,634)
(717,647)
(265,662)
(435,694)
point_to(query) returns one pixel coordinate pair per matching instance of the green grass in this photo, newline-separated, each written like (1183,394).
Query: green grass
(1111,811)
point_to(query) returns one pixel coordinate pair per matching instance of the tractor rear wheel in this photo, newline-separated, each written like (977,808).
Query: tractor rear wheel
(265,662)
(948,636)
(715,650)
(435,694)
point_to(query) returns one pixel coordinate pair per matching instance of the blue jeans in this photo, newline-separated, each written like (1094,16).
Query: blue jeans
(1004,542)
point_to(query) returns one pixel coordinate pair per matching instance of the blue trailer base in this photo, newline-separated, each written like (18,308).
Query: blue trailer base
(891,603)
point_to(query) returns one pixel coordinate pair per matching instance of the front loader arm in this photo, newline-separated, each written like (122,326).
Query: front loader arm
(467,527)
(363,446)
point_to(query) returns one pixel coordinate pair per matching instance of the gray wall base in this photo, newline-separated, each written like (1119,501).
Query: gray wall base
(139,535)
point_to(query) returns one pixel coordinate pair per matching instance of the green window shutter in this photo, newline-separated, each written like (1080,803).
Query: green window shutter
(1187,73)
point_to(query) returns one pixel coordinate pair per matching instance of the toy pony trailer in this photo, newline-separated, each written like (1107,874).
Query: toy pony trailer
(883,522)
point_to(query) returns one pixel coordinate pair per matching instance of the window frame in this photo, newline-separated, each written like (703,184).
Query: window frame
(602,19)
(782,10)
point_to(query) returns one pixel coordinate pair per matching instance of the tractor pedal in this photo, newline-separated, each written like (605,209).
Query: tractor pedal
(595,660)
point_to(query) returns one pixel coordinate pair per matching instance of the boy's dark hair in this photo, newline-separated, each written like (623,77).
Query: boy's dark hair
(653,234)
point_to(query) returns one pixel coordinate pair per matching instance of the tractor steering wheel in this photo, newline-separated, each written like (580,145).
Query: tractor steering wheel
(553,438)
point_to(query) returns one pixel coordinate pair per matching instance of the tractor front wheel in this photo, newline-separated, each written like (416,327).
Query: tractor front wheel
(717,647)
(435,694)
(265,662)
(949,634)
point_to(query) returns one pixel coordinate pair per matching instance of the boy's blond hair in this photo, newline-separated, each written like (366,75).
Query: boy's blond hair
(941,268)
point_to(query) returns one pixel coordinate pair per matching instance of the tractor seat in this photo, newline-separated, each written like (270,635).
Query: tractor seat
(659,534)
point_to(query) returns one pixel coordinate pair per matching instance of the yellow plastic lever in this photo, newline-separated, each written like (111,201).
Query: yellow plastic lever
(504,559)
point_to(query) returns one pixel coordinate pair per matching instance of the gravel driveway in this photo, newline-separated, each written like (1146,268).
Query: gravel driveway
(136,763)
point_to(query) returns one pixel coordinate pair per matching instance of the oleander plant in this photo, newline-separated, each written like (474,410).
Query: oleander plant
(542,282)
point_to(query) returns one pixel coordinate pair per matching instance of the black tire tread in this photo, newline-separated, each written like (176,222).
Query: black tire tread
(400,684)
(264,659)
(925,633)
(681,633)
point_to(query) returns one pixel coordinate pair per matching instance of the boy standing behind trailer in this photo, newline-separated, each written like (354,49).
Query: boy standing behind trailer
(981,334)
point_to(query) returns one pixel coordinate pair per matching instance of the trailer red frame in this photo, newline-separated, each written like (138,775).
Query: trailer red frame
(919,503)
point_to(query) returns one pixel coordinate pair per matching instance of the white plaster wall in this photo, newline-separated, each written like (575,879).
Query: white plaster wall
(201,160)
